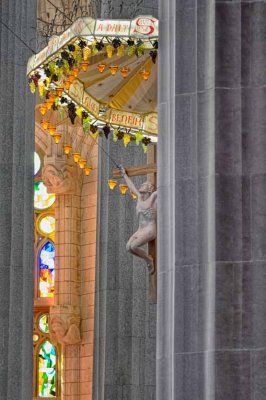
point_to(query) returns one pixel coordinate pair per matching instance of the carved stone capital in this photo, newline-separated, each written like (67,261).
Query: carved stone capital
(65,324)
(64,180)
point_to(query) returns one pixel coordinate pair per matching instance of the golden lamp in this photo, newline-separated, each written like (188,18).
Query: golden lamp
(145,75)
(124,72)
(87,169)
(71,78)
(67,84)
(113,69)
(43,109)
(57,137)
(67,148)
(82,163)
(76,156)
(134,196)
(84,66)
(59,91)
(101,67)
(45,124)
(112,183)
(49,104)
(51,130)
(123,188)
(75,72)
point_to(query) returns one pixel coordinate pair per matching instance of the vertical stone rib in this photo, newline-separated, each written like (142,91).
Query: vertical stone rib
(16,200)
(186,189)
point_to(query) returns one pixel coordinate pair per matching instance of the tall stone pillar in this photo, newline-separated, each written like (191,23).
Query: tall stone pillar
(211,341)
(125,322)
(16,199)
(62,177)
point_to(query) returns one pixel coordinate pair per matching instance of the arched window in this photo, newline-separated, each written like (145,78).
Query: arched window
(47,370)
(46,264)
(46,360)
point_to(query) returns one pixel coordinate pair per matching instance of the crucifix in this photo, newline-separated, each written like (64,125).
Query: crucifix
(150,170)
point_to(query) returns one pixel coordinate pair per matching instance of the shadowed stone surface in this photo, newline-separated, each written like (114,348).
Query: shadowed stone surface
(212,194)
(125,322)
(16,200)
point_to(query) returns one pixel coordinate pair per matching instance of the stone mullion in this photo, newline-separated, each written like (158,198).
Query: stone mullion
(67,249)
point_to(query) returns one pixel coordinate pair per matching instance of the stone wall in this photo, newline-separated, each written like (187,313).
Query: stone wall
(16,199)
(125,322)
(212,170)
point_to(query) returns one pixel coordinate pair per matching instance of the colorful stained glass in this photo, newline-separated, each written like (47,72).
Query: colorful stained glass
(47,225)
(37,163)
(43,323)
(46,270)
(47,370)
(42,199)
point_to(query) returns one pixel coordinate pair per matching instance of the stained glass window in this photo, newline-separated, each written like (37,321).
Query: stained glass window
(42,199)
(46,270)
(47,224)
(37,163)
(47,370)
(43,323)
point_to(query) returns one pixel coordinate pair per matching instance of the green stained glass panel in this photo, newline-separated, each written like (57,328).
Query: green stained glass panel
(47,370)
(43,323)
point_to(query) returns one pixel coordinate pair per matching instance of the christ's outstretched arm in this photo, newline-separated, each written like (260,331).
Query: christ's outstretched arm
(129,182)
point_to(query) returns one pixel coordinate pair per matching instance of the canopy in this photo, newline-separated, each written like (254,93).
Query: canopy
(118,87)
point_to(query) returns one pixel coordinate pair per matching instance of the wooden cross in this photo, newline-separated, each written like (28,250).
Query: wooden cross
(150,170)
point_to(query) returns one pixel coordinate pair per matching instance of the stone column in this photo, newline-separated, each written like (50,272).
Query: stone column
(125,322)
(212,226)
(16,199)
(62,177)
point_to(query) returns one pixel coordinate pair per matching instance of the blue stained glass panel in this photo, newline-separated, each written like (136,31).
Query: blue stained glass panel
(47,270)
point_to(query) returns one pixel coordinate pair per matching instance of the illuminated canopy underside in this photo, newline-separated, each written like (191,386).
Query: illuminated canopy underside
(129,102)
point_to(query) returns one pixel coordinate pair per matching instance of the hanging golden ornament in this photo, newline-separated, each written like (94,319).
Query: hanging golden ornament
(84,66)
(67,148)
(121,50)
(124,72)
(75,72)
(112,183)
(71,78)
(43,109)
(57,137)
(51,130)
(67,84)
(87,169)
(45,124)
(123,188)
(76,156)
(82,163)
(49,104)
(52,97)
(86,52)
(145,74)
(101,67)
(113,69)
(109,50)
(59,91)
(134,196)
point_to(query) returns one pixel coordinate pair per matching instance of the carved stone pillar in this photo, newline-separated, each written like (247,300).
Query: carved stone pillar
(62,177)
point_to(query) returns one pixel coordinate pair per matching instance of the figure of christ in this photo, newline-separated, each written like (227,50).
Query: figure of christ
(146,213)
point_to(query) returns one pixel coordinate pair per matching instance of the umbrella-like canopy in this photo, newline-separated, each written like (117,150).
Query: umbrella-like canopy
(107,69)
